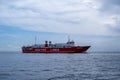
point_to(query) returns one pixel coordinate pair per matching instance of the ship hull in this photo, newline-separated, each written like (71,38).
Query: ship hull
(77,49)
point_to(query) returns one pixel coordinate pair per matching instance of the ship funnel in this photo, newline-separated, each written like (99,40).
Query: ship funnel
(46,43)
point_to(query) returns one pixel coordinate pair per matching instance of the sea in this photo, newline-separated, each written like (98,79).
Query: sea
(86,66)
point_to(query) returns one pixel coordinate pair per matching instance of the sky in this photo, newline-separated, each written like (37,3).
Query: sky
(87,22)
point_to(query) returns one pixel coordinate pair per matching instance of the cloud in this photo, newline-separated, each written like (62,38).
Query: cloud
(111,9)
(110,6)
(115,29)
(62,16)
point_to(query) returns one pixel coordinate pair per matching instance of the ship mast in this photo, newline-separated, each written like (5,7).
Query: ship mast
(68,38)
(35,40)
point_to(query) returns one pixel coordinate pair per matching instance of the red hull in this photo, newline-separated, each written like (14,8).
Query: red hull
(75,49)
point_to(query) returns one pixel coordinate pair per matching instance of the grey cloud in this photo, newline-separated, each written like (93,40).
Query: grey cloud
(115,29)
(67,16)
(110,6)
(112,2)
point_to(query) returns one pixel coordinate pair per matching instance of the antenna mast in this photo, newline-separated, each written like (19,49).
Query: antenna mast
(68,38)
(35,40)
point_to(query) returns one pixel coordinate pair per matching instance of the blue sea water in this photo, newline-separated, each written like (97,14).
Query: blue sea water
(89,66)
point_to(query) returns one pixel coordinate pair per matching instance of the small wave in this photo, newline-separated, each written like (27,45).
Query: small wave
(64,77)
(5,74)
(80,76)
(46,70)
(23,70)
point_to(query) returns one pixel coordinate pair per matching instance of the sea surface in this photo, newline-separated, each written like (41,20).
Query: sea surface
(89,66)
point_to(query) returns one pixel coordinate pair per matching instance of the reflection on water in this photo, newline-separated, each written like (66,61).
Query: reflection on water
(90,66)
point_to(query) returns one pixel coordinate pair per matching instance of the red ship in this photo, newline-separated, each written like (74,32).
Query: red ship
(68,47)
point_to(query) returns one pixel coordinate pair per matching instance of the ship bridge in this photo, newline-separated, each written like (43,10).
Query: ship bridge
(62,45)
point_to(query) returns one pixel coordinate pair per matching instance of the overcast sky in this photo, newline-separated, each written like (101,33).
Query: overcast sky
(88,22)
